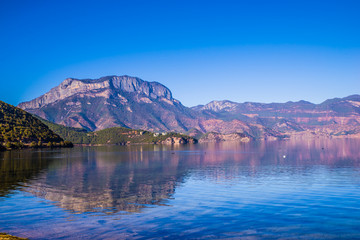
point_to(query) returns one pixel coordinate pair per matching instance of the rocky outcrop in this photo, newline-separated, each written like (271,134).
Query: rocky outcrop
(218,137)
(178,140)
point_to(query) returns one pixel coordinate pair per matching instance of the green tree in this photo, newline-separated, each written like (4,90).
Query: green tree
(68,144)
(8,145)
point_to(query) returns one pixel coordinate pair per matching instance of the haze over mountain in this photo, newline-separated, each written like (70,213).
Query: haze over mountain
(126,101)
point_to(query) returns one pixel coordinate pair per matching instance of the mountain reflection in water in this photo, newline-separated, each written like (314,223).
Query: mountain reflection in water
(127,179)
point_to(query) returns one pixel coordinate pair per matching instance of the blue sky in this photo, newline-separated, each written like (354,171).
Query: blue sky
(263,51)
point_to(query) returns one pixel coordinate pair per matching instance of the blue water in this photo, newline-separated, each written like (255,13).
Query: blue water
(261,190)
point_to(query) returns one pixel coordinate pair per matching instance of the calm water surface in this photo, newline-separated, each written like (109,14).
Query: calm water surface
(263,190)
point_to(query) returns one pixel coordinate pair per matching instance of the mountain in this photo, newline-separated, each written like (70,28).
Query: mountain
(112,101)
(124,101)
(18,128)
(300,112)
(335,117)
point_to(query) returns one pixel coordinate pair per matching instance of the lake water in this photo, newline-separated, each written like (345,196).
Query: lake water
(261,190)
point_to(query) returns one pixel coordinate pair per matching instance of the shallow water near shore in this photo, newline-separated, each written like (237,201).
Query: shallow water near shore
(280,189)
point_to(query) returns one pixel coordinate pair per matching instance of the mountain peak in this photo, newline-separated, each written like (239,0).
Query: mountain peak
(73,86)
(217,106)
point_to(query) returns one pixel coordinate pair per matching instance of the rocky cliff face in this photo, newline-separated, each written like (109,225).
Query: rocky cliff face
(70,87)
(111,101)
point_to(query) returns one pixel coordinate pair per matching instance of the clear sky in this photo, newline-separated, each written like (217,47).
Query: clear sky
(251,50)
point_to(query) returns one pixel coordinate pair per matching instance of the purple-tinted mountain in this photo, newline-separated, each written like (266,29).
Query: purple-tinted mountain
(125,101)
(338,116)
(112,101)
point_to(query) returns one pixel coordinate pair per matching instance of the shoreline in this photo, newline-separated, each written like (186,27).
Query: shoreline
(6,236)
(198,141)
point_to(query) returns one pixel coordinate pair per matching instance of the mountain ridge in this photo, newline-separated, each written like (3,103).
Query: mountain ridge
(73,86)
(124,101)
(349,97)
(332,117)
(130,102)
(112,95)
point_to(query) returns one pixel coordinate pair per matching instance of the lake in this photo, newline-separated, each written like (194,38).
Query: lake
(259,190)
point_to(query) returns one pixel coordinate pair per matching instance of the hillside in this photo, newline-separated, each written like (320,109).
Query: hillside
(74,135)
(19,128)
(119,135)
(116,136)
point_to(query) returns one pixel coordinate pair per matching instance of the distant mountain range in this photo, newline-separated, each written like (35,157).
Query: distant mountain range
(125,101)
(333,117)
